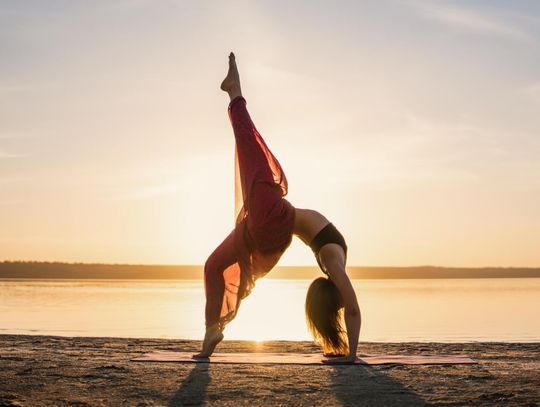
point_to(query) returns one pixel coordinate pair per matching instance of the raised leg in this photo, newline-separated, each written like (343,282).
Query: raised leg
(231,83)
(255,160)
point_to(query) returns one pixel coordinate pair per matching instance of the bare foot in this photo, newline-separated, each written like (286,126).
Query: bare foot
(211,340)
(231,83)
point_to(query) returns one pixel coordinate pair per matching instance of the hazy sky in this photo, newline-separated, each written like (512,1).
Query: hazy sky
(413,125)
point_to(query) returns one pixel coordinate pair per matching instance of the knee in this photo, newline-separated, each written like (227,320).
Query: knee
(213,276)
(211,265)
(215,265)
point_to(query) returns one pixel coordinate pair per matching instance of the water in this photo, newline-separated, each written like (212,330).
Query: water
(452,310)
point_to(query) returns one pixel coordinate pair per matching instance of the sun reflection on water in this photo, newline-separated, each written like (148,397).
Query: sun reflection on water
(392,310)
(273,309)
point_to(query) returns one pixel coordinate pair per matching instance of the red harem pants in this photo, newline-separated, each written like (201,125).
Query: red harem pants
(263,227)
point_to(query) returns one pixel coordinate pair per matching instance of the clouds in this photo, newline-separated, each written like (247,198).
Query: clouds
(4,154)
(532,91)
(118,106)
(147,191)
(483,21)
(7,88)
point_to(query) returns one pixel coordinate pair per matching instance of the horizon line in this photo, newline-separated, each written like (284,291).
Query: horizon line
(277,266)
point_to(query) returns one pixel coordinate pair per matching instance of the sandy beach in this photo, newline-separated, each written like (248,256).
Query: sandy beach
(45,370)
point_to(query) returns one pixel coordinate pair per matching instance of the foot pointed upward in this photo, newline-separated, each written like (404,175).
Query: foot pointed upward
(231,83)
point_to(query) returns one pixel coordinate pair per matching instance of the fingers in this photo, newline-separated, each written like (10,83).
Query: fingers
(337,362)
(340,361)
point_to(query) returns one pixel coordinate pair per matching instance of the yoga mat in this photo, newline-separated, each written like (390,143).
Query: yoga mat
(300,358)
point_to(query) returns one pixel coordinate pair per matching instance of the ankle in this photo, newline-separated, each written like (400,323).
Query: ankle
(234,93)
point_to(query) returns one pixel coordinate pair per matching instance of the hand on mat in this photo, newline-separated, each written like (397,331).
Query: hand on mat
(333,355)
(341,360)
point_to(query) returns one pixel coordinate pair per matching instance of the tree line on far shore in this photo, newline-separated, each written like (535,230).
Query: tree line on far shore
(63,270)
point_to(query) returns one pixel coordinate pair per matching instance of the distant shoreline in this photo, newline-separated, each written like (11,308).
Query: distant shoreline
(81,271)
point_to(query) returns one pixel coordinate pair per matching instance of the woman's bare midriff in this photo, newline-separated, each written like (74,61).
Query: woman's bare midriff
(307,223)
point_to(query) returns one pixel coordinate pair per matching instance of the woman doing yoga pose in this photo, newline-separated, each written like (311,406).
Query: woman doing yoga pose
(265,224)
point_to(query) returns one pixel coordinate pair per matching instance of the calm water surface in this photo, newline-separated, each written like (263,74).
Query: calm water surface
(392,310)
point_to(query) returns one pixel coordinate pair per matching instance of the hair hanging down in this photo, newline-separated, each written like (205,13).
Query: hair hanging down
(324,316)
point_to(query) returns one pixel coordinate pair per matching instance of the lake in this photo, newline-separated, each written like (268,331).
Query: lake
(442,310)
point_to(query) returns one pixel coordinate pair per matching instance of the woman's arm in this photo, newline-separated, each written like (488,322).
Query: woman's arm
(352,314)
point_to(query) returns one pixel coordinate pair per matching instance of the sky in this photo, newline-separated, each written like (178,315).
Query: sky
(414,126)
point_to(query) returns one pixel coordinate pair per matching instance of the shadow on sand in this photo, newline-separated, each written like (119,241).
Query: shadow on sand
(192,392)
(371,386)
(352,386)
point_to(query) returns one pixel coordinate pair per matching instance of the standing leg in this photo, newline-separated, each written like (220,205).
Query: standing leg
(214,280)
(217,291)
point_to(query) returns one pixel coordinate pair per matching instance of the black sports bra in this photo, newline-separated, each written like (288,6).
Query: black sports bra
(328,234)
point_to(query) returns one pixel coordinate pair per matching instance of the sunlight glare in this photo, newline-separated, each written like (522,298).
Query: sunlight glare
(273,307)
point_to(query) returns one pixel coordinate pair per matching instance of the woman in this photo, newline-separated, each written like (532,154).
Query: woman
(265,224)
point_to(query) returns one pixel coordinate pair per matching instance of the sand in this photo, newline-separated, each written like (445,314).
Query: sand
(45,370)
